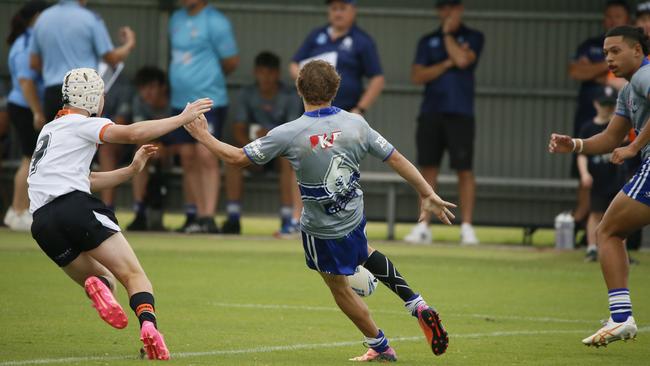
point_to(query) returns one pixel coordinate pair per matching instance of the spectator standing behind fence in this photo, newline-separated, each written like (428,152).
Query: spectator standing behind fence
(351,50)
(265,104)
(24,107)
(445,63)
(589,67)
(151,102)
(204,51)
(69,36)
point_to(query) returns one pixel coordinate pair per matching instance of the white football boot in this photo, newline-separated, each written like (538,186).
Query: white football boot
(612,331)
(467,235)
(420,234)
(10,217)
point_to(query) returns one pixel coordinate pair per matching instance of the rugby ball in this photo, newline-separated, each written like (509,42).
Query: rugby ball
(363,282)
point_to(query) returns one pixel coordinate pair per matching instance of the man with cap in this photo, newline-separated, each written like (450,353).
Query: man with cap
(445,63)
(351,50)
(68,36)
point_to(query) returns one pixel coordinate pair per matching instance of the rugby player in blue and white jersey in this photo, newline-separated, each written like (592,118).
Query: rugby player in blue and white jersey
(625,50)
(325,147)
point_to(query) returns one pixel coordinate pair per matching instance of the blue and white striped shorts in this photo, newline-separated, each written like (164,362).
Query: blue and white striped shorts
(638,188)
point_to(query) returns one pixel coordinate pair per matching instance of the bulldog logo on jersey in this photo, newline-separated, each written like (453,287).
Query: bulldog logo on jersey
(324,140)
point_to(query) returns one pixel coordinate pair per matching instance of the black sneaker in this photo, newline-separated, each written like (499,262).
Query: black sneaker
(208,225)
(138,224)
(231,227)
(188,222)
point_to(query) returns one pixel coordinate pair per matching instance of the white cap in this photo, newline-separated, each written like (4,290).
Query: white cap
(82,88)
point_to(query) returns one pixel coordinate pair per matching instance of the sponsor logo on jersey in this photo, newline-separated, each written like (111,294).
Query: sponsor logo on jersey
(256,149)
(324,140)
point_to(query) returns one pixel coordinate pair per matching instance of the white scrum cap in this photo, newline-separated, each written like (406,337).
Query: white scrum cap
(82,88)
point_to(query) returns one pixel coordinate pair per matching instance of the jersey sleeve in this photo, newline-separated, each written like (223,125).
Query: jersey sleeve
(34,47)
(476,42)
(92,129)
(422,53)
(23,70)
(378,146)
(266,148)
(641,82)
(621,105)
(370,60)
(223,38)
(101,40)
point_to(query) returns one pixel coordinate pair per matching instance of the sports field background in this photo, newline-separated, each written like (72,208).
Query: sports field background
(251,301)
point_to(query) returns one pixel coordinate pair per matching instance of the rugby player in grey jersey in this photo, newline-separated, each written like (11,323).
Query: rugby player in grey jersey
(325,147)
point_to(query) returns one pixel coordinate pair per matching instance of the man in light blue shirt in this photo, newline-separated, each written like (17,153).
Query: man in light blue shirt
(69,36)
(203,51)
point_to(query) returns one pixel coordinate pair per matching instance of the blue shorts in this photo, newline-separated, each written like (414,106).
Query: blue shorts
(337,256)
(638,188)
(216,120)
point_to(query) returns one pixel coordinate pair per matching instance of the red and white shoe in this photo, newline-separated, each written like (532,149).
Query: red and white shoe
(105,303)
(388,355)
(154,343)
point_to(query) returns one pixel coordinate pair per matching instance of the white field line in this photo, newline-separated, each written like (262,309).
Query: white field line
(292,347)
(405,312)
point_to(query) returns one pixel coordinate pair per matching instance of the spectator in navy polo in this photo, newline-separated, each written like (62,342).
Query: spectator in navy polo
(351,50)
(445,63)
(589,67)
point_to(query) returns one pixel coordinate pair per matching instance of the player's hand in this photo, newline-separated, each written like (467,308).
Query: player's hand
(127,36)
(437,206)
(586,181)
(198,127)
(142,156)
(195,109)
(623,153)
(39,121)
(560,144)
(452,23)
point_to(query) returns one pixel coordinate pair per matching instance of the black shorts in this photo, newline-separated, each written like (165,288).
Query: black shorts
(73,223)
(23,120)
(53,101)
(216,120)
(439,132)
(599,201)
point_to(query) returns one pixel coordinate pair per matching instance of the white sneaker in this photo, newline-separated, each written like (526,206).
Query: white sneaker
(10,217)
(420,234)
(611,332)
(467,235)
(23,222)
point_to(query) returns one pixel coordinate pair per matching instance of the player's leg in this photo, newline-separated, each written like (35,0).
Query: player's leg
(118,257)
(191,183)
(593,220)
(386,272)
(139,190)
(108,156)
(459,131)
(234,194)
(19,218)
(288,190)
(624,216)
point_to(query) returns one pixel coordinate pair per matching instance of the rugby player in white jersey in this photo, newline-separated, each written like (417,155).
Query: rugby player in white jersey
(75,229)
(325,147)
(625,50)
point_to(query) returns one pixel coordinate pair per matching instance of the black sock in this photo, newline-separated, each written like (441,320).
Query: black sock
(105,281)
(380,266)
(142,304)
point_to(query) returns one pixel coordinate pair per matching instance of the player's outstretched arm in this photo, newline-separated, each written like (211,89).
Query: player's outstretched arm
(431,202)
(104,180)
(602,143)
(145,131)
(623,153)
(226,152)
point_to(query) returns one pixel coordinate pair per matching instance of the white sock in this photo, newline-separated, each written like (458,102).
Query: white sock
(413,305)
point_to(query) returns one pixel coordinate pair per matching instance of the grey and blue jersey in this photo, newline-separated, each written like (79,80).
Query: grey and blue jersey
(633,102)
(325,148)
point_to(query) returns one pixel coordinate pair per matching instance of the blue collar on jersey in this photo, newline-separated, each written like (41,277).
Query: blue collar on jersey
(645,62)
(323,112)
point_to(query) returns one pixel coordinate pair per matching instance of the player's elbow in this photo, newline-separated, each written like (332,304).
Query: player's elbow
(112,58)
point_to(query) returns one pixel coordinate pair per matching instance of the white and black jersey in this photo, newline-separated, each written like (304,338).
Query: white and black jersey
(61,161)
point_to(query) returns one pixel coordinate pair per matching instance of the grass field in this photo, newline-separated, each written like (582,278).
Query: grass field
(252,301)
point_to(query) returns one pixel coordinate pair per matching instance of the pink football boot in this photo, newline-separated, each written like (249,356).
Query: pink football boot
(103,300)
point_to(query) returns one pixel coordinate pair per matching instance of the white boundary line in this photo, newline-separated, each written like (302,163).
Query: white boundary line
(290,347)
(404,312)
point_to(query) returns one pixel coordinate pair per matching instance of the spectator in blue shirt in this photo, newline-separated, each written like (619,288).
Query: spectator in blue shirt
(68,36)
(445,63)
(589,67)
(351,50)
(24,107)
(203,51)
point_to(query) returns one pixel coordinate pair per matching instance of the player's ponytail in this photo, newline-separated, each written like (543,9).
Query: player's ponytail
(21,20)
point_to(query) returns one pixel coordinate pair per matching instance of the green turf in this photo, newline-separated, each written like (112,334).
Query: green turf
(251,301)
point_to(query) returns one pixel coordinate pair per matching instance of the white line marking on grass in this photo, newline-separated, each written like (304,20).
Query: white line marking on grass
(292,347)
(404,312)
